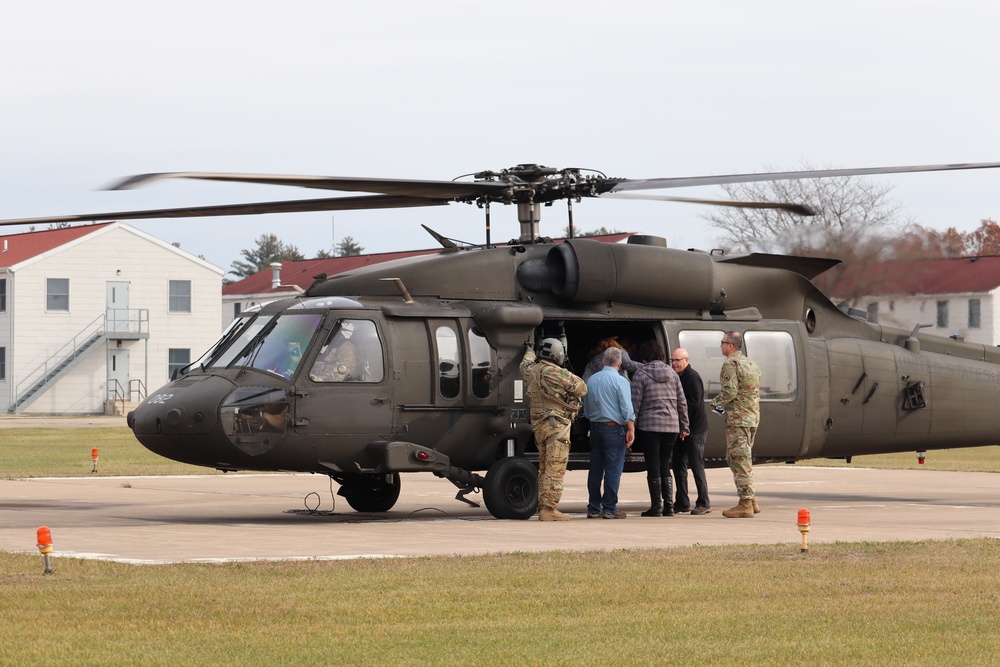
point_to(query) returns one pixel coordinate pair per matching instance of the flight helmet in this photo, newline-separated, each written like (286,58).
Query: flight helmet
(552,350)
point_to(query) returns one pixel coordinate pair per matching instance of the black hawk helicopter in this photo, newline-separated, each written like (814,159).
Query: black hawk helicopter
(412,365)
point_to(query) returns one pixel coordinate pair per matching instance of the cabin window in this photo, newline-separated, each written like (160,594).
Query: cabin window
(448,359)
(180,296)
(57,294)
(351,353)
(974,317)
(177,359)
(3,363)
(705,356)
(774,353)
(3,295)
(481,359)
(942,314)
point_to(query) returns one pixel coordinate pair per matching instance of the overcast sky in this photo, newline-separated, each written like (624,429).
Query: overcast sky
(96,90)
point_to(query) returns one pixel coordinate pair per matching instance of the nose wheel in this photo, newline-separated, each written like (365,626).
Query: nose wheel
(371,493)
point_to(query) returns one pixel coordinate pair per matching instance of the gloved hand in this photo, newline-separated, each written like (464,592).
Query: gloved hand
(719,410)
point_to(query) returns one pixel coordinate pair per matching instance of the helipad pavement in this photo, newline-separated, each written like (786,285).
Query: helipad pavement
(244,516)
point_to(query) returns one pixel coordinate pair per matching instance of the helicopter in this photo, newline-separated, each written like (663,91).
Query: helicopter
(412,365)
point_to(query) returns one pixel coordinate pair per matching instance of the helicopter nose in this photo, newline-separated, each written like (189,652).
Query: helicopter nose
(189,406)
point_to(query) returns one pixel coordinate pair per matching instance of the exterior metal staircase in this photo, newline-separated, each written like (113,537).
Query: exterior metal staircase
(63,360)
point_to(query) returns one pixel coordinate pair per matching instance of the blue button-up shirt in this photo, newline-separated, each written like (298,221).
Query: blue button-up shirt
(609,398)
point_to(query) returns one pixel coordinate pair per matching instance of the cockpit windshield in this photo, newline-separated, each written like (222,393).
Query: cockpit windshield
(272,343)
(232,332)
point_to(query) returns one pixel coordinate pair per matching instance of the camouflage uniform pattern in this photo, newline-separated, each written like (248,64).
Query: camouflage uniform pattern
(740,396)
(555,396)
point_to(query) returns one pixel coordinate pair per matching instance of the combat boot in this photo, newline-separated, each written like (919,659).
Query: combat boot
(742,511)
(756,507)
(551,514)
(655,501)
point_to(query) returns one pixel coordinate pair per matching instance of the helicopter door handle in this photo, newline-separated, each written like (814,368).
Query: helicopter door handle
(379,400)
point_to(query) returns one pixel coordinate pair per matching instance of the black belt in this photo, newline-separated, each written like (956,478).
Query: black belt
(608,423)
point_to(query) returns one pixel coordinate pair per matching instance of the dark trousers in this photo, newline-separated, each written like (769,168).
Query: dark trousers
(690,452)
(658,449)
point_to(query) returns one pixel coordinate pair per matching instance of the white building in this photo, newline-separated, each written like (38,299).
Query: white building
(93,317)
(956,296)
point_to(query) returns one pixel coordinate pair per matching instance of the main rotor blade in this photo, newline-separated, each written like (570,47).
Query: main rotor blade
(797,209)
(658,183)
(387,186)
(299,206)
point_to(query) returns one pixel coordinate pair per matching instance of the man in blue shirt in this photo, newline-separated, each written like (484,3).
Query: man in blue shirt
(608,406)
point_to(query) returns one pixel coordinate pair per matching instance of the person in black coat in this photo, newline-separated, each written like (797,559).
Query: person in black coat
(689,450)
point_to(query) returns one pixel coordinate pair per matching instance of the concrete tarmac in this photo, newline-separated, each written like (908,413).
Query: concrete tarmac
(263,517)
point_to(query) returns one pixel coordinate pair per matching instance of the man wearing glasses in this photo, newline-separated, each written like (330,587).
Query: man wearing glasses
(689,450)
(739,401)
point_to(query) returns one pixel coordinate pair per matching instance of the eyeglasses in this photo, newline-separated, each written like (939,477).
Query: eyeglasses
(677,361)
(726,342)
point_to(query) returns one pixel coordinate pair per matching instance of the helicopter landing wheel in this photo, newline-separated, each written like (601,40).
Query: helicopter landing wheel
(511,489)
(371,493)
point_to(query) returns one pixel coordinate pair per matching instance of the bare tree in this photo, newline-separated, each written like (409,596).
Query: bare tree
(850,210)
(854,222)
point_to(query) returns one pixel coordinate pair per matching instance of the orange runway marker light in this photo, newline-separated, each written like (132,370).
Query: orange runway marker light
(94,457)
(45,546)
(804,522)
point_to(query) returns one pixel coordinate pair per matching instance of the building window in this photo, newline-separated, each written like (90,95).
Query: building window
(3,294)
(873,312)
(57,294)
(180,296)
(177,358)
(974,314)
(3,363)
(237,309)
(942,314)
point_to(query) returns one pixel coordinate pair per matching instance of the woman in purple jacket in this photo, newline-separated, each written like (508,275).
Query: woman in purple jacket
(661,415)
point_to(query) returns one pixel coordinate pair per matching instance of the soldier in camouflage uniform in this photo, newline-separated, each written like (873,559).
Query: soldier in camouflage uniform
(554,396)
(739,400)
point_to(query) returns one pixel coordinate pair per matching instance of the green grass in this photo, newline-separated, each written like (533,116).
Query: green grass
(65,452)
(968,459)
(928,603)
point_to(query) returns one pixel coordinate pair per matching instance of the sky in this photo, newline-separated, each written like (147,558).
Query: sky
(98,90)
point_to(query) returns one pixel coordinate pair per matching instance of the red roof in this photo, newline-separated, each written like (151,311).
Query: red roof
(303,272)
(16,248)
(954,275)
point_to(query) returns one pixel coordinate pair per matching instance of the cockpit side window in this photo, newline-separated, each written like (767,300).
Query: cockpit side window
(351,353)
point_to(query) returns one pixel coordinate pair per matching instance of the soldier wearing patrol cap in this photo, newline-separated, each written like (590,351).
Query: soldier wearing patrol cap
(554,396)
